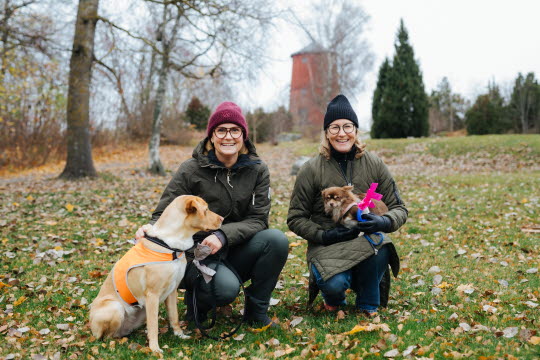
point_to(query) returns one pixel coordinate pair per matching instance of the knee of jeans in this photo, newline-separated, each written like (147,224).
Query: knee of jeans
(274,240)
(336,285)
(226,287)
(226,294)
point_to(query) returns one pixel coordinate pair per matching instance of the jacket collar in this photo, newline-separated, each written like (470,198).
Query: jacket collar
(339,156)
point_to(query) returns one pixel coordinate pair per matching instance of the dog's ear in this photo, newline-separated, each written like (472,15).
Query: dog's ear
(348,188)
(191,205)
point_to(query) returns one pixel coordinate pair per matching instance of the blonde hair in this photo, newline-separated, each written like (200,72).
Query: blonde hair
(209,146)
(325,147)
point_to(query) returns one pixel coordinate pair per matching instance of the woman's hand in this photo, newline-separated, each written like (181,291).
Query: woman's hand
(139,235)
(373,223)
(339,234)
(213,243)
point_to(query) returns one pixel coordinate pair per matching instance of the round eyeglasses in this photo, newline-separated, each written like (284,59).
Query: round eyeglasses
(347,128)
(221,132)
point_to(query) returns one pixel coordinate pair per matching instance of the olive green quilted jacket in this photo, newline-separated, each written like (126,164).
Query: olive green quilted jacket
(307,218)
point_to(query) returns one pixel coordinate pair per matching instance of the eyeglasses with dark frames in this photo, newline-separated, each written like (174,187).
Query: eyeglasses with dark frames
(347,128)
(221,132)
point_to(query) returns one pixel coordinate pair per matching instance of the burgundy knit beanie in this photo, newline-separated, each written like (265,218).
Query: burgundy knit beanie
(227,112)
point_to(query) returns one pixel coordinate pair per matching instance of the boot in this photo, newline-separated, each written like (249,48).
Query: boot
(255,313)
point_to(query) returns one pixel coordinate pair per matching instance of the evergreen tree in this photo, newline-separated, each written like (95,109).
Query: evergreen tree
(403,109)
(524,105)
(488,115)
(197,113)
(382,81)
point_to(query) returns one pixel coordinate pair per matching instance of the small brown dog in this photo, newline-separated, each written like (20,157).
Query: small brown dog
(342,204)
(149,273)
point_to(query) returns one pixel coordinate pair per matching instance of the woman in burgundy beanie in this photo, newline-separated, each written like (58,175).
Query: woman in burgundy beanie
(226,171)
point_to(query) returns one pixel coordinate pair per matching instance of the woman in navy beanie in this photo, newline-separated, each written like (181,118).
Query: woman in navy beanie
(340,258)
(227,173)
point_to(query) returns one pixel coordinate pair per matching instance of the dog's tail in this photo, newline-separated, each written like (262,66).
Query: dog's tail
(106,317)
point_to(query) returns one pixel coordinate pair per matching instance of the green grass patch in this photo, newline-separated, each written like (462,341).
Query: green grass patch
(468,286)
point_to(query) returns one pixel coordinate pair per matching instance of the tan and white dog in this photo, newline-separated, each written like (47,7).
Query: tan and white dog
(151,282)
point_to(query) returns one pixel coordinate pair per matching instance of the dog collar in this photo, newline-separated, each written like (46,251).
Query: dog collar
(162,243)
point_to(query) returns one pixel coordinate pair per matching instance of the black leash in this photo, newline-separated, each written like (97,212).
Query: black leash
(214,305)
(162,243)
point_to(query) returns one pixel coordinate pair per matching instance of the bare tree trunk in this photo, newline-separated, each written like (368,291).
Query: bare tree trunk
(156,166)
(79,161)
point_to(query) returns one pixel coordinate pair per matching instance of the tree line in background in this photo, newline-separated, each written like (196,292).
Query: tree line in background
(156,75)
(401,107)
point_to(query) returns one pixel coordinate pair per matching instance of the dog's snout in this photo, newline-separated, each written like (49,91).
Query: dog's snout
(221,218)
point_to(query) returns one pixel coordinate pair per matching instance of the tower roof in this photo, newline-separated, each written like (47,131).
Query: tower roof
(312,48)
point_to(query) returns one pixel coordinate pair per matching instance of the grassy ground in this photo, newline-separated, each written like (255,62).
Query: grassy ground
(469,285)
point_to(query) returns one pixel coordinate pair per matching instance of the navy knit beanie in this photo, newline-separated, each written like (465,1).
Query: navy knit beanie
(339,108)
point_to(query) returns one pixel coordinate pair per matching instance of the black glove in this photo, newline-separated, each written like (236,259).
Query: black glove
(374,223)
(338,234)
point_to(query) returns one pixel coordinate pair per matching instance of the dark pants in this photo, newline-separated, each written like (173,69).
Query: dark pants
(363,278)
(260,259)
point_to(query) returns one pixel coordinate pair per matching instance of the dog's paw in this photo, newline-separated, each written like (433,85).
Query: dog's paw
(156,349)
(181,335)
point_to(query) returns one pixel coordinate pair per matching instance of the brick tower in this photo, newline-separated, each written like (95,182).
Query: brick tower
(313,85)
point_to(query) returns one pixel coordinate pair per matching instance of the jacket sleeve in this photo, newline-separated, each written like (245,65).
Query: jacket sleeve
(301,207)
(397,212)
(179,185)
(257,215)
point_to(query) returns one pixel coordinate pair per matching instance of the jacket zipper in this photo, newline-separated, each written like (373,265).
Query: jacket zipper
(349,170)
(229,177)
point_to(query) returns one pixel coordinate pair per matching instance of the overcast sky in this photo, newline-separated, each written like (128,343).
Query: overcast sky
(469,41)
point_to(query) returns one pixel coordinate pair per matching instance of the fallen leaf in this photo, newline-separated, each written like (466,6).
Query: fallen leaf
(264,328)
(63,327)
(510,332)
(535,340)
(240,352)
(274,301)
(272,342)
(239,337)
(19,301)
(69,207)
(392,353)
(296,320)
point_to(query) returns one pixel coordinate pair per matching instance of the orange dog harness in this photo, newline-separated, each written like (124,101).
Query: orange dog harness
(138,255)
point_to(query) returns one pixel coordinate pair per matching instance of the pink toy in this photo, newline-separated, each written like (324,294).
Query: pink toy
(367,202)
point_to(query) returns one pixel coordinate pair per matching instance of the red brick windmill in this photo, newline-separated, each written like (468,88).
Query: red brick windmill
(314,83)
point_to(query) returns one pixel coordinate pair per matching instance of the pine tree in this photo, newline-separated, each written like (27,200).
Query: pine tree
(403,110)
(382,81)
